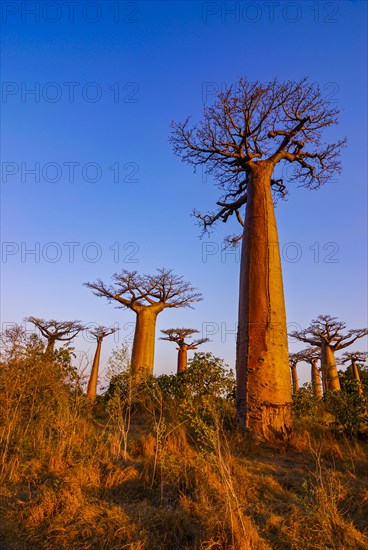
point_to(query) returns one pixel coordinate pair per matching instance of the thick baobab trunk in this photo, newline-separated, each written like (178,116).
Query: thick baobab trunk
(93,379)
(294,379)
(316,380)
(329,367)
(144,343)
(263,374)
(356,375)
(182,359)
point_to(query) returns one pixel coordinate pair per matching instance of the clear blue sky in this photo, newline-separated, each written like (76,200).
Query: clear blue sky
(107,85)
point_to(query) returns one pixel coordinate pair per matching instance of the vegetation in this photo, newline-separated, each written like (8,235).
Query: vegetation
(160,465)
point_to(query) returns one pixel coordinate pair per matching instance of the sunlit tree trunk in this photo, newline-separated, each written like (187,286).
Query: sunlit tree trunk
(93,379)
(329,367)
(50,346)
(144,343)
(182,359)
(263,373)
(316,380)
(294,379)
(356,375)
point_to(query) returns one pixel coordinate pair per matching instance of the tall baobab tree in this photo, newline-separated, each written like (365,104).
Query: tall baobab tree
(243,141)
(294,359)
(147,296)
(328,334)
(99,333)
(312,356)
(354,357)
(55,331)
(179,335)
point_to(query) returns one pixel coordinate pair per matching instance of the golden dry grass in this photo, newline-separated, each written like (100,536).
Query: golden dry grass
(67,483)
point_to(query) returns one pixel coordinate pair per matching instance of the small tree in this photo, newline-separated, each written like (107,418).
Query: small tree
(294,359)
(178,335)
(147,296)
(327,333)
(312,356)
(54,331)
(354,357)
(244,137)
(99,333)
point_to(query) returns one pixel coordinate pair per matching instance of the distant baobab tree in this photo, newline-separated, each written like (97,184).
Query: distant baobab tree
(312,356)
(99,333)
(244,140)
(179,335)
(55,331)
(354,357)
(327,333)
(147,296)
(294,359)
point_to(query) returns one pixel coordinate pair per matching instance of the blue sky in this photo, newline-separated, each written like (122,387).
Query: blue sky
(107,85)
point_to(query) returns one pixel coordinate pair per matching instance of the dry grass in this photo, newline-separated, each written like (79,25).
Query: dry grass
(67,482)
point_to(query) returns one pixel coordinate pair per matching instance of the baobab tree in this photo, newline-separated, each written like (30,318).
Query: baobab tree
(179,335)
(147,296)
(354,357)
(99,333)
(312,356)
(294,359)
(244,139)
(55,331)
(328,334)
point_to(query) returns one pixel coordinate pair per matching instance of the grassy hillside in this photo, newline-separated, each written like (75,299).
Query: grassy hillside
(157,467)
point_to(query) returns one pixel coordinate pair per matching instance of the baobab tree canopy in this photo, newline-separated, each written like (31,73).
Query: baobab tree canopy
(61,330)
(134,291)
(329,330)
(277,122)
(179,335)
(53,331)
(357,356)
(100,332)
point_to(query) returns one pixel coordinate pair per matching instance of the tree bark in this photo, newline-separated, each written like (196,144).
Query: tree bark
(294,379)
(93,379)
(329,367)
(356,375)
(182,359)
(144,343)
(316,380)
(263,398)
(50,346)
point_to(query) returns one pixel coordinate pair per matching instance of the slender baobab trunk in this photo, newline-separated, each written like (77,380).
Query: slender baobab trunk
(144,343)
(316,380)
(329,367)
(93,379)
(294,379)
(50,346)
(356,375)
(182,359)
(263,373)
